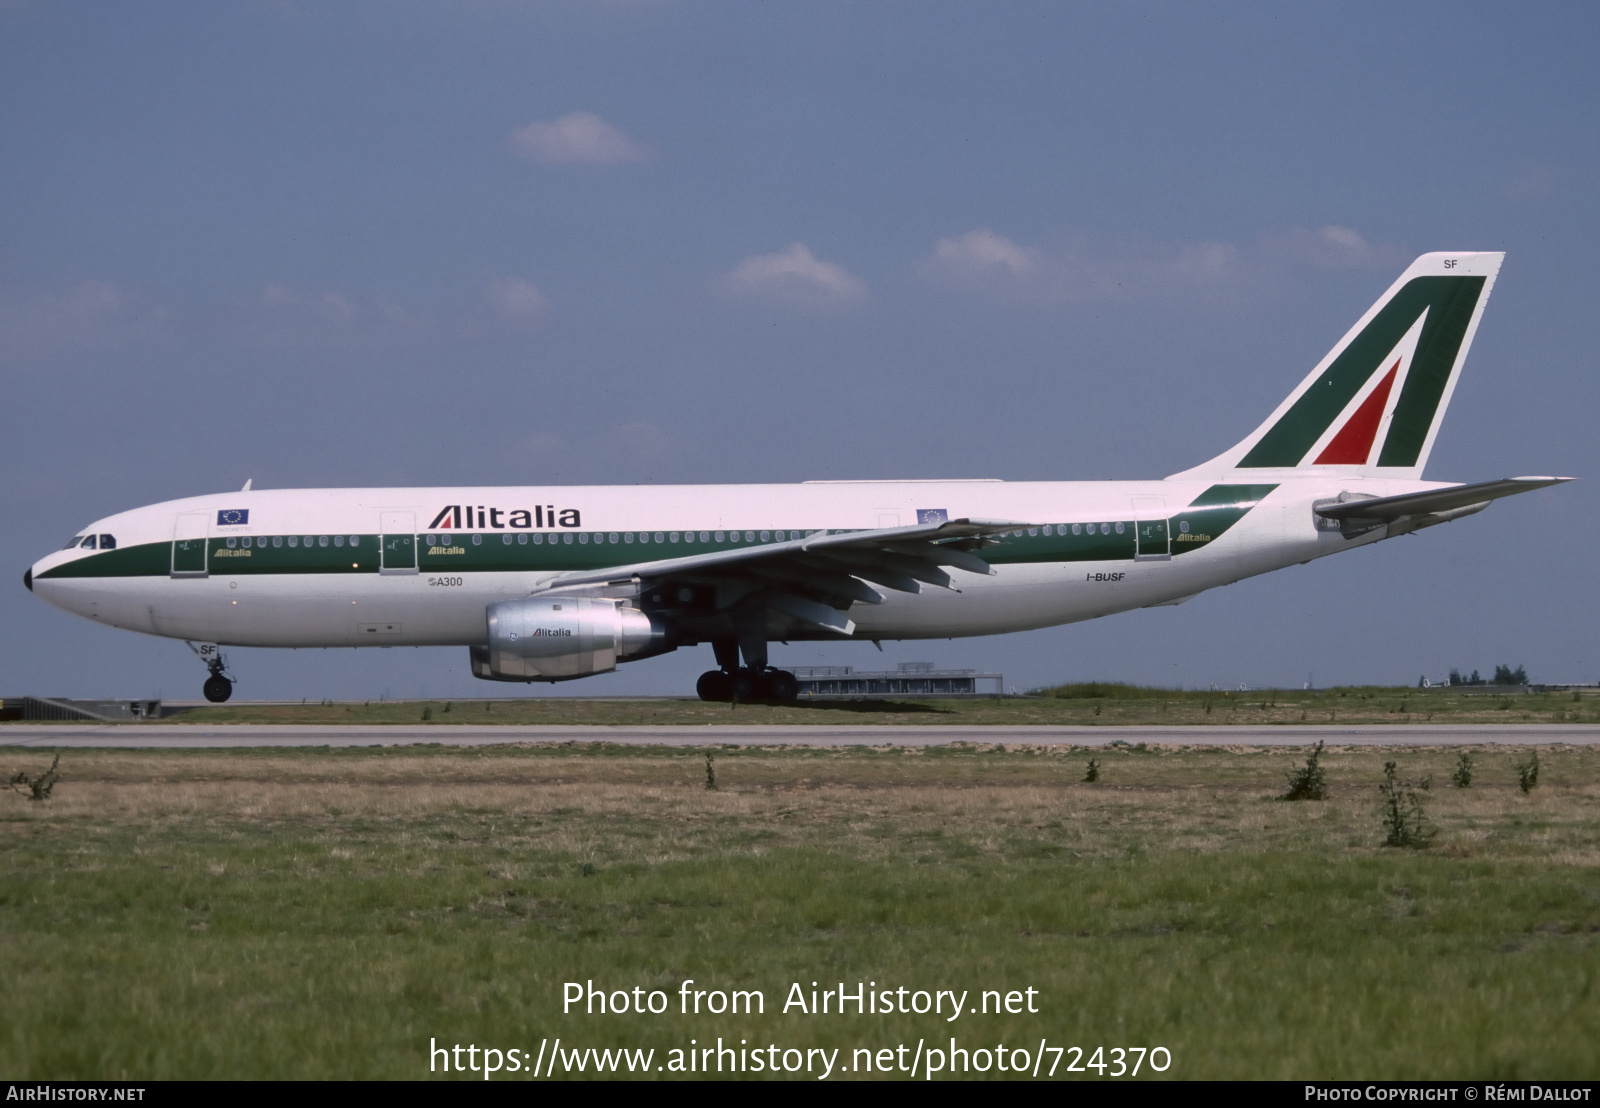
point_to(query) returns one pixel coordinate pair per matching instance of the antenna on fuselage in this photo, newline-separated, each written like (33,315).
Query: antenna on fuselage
(247,484)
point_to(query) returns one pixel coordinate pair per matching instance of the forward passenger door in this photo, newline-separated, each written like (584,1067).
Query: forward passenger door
(189,544)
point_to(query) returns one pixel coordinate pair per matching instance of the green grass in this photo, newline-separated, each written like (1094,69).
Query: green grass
(1095,703)
(324,913)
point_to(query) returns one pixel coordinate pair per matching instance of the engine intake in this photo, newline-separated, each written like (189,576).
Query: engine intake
(559,638)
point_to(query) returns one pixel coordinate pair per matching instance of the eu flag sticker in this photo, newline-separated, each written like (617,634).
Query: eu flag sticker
(232,517)
(932,515)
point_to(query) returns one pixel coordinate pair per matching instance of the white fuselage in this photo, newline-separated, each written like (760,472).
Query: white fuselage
(237,596)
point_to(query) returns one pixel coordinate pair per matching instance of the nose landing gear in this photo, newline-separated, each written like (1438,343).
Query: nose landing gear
(219,686)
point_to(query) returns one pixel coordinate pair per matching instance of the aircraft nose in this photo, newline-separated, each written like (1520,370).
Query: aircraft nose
(27,579)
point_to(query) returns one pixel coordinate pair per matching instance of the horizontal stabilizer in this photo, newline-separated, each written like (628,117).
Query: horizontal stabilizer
(1435,500)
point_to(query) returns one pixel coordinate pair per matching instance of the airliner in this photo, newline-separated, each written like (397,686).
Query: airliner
(552,583)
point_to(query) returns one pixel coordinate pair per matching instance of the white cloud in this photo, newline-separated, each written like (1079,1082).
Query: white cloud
(37,325)
(281,316)
(642,443)
(283,313)
(1079,270)
(1535,180)
(541,442)
(1330,247)
(578,138)
(795,278)
(516,300)
(983,250)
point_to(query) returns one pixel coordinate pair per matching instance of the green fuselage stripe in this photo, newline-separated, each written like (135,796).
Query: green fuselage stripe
(1110,541)
(1212,513)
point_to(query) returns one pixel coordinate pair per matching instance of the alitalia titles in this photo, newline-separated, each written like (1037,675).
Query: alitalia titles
(478,517)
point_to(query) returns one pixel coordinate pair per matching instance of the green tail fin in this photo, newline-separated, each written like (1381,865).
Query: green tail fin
(1374,404)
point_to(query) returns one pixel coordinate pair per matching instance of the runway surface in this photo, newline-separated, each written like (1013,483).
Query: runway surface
(199,737)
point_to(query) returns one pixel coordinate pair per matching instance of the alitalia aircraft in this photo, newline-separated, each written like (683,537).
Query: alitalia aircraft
(546,583)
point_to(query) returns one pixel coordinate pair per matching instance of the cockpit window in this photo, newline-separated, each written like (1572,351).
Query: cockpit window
(88,543)
(72,542)
(108,542)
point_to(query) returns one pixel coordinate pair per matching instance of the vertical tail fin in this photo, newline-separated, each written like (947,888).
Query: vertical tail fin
(1372,407)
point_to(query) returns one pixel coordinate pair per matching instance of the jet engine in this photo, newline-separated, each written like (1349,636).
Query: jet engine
(559,638)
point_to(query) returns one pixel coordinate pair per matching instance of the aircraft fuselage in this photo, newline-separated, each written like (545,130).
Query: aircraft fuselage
(305,568)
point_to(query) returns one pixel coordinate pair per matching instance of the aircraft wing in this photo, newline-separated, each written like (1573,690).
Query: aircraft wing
(1435,500)
(817,578)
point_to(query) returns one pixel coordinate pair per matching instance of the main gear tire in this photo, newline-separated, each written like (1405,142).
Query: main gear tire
(714,685)
(742,687)
(779,686)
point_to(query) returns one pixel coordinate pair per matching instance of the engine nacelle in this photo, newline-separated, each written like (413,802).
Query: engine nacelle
(559,638)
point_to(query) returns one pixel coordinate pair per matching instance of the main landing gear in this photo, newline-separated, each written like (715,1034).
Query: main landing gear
(771,686)
(219,686)
(755,681)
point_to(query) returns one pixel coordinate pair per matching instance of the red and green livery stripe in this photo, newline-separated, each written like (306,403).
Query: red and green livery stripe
(1446,306)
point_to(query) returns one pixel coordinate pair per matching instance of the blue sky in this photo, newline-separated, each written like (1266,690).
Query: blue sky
(407,243)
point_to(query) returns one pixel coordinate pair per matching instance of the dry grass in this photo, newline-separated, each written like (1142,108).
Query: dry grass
(322,913)
(1161,799)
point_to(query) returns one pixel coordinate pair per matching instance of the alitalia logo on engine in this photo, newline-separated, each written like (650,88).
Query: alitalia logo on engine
(477,517)
(546,633)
